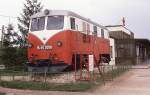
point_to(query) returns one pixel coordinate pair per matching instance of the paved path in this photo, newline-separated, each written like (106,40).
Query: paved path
(134,82)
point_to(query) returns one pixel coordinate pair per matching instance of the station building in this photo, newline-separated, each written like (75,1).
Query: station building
(122,45)
(125,49)
(142,50)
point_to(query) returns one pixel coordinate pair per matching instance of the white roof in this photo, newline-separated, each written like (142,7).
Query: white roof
(65,13)
(119,28)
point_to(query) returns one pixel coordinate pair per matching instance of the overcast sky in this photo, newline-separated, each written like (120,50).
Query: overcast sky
(105,12)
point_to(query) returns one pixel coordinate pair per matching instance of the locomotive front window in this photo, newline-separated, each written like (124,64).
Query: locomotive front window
(37,24)
(55,22)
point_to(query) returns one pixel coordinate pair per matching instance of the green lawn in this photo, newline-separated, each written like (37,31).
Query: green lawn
(2,93)
(78,86)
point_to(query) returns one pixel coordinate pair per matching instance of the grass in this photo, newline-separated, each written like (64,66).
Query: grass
(2,93)
(12,73)
(79,86)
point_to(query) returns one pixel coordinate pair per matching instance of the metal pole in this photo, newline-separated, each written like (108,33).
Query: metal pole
(0,75)
(45,76)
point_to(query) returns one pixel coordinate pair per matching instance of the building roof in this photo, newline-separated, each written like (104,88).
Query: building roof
(65,13)
(119,28)
(143,41)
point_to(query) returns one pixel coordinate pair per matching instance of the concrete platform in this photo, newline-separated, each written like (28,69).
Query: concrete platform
(144,65)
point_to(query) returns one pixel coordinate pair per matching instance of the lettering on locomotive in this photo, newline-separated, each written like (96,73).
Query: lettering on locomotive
(44,47)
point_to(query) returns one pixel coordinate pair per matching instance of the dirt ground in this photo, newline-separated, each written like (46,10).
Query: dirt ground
(134,82)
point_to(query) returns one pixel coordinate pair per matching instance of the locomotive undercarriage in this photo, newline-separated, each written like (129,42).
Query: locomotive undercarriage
(42,66)
(47,65)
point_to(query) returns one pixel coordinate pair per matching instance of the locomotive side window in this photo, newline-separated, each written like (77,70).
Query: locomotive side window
(88,29)
(55,22)
(72,22)
(102,33)
(95,30)
(84,27)
(38,24)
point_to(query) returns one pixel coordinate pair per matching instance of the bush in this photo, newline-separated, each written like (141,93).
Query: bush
(13,56)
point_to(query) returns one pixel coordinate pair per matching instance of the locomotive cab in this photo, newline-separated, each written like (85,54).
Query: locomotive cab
(42,40)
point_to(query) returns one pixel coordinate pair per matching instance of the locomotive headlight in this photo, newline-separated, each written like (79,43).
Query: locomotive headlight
(59,43)
(46,12)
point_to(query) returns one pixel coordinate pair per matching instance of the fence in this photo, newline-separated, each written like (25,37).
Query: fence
(107,72)
(16,77)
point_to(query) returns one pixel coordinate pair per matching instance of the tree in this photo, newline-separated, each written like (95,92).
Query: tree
(8,36)
(10,53)
(30,7)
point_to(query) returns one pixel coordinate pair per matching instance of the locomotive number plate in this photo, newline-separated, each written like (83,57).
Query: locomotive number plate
(44,47)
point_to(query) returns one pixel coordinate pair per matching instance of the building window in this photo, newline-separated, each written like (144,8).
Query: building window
(72,22)
(95,30)
(102,33)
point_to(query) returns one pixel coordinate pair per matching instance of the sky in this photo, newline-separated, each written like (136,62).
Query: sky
(104,12)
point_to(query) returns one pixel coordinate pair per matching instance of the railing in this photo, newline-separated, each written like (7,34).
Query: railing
(64,81)
(108,72)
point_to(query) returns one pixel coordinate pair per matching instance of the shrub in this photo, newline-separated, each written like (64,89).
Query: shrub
(13,56)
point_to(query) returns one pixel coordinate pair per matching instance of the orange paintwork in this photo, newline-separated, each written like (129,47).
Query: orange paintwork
(72,43)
